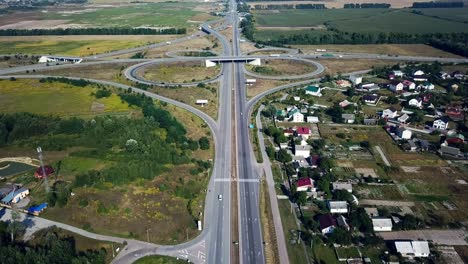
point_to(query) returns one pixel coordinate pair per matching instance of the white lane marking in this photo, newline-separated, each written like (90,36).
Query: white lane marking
(238,180)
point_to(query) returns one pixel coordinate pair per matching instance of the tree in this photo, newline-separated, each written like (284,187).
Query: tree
(300,198)
(392,100)
(350,92)
(270,152)
(341,236)
(204,143)
(269,111)
(361,220)
(283,156)
(342,195)
(15,227)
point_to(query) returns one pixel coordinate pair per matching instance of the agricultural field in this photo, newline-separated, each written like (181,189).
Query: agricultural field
(385,49)
(153,15)
(154,193)
(179,72)
(24,95)
(82,45)
(358,20)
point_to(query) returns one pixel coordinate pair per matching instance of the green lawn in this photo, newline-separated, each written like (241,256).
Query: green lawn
(454,14)
(324,254)
(295,251)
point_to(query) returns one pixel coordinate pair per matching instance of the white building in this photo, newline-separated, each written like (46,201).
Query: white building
(297,118)
(45,59)
(415,102)
(313,119)
(397,73)
(338,207)
(382,224)
(302,150)
(407,249)
(441,123)
(313,90)
(355,79)
(404,133)
(389,113)
(403,118)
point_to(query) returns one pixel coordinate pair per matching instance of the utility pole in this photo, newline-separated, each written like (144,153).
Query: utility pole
(39,151)
(147,234)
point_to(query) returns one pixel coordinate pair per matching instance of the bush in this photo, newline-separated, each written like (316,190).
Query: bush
(204,143)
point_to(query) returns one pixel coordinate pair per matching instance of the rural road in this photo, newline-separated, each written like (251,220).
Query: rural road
(384,158)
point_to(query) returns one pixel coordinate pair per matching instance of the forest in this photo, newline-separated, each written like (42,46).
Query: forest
(438,5)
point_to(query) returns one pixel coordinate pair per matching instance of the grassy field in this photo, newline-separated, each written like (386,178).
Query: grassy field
(179,72)
(56,98)
(75,45)
(153,208)
(295,251)
(159,260)
(281,68)
(390,49)
(167,14)
(454,14)
(359,20)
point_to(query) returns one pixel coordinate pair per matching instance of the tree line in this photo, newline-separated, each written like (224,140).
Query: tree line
(438,5)
(92,31)
(367,5)
(50,248)
(290,6)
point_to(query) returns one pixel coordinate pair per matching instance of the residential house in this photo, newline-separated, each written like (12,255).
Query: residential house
(389,113)
(348,118)
(427,97)
(415,102)
(288,132)
(355,79)
(305,185)
(338,207)
(454,112)
(382,224)
(409,85)
(441,123)
(368,87)
(419,76)
(297,118)
(370,98)
(341,221)
(397,73)
(455,139)
(302,150)
(303,132)
(312,119)
(458,75)
(427,86)
(403,133)
(412,249)
(327,223)
(15,196)
(313,90)
(343,186)
(424,144)
(297,98)
(403,118)
(280,112)
(396,86)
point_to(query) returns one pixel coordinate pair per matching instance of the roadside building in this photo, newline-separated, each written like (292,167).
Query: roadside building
(338,207)
(313,90)
(412,249)
(382,224)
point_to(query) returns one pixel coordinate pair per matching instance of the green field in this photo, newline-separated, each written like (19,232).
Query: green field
(454,14)
(361,20)
(167,14)
(56,98)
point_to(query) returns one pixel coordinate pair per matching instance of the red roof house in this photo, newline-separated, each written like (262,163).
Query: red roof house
(48,171)
(303,131)
(327,223)
(305,184)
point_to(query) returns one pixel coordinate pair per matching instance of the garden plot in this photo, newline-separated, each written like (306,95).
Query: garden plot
(366,172)
(409,169)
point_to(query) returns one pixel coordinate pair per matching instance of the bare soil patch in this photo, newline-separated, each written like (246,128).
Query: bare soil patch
(335,66)
(179,72)
(263,85)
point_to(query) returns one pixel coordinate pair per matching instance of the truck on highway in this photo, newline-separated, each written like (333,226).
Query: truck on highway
(327,55)
(274,55)
(250,81)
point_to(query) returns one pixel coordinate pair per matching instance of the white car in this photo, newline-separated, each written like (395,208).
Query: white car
(220,197)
